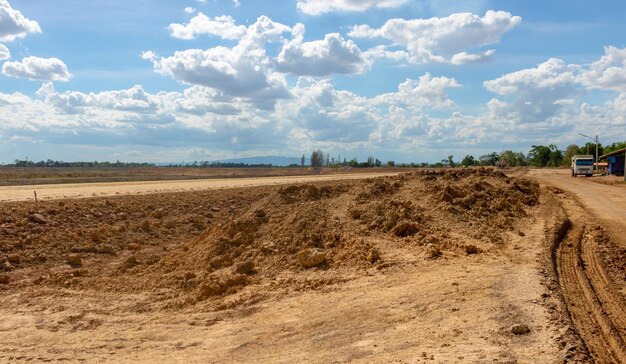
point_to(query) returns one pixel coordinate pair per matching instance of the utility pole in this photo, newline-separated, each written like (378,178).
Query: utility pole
(597,161)
(596,140)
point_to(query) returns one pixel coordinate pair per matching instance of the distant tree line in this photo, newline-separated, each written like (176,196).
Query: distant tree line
(319,159)
(551,156)
(537,156)
(95,164)
(118,164)
(207,164)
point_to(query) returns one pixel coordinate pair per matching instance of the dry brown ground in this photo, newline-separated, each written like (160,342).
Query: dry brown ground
(591,259)
(424,267)
(17,176)
(83,190)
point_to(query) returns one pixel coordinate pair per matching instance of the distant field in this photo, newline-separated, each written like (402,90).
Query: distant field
(16,176)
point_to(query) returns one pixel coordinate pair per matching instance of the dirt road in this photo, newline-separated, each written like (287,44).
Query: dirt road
(606,202)
(592,285)
(84,190)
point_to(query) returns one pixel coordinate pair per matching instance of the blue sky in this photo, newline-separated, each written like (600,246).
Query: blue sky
(404,80)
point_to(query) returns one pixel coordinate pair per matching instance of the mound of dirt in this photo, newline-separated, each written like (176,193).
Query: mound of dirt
(277,240)
(102,228)
(324,234)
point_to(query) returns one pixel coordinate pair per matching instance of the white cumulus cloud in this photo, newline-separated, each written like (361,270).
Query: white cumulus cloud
(4,52)
(318,7)
(321,115)
(537,105)
(235,73)
(440,39)
(189,10)
(13,24)
(331,55)
(425,92)
(221,26)
(35,68)
(620,103)
(607,73)
(197,117)
(382,51)
(242,71)
(535,94)
(465,58)
(71,102)
(550,75)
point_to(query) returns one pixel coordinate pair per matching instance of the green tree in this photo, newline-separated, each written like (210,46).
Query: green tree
(590,149)
(468,161)
(520,159)
(512,159)
(542,156)
(488,159)
(317,159)
(570,151)
(613,147)
(556,158)
(450,161)
(539,155)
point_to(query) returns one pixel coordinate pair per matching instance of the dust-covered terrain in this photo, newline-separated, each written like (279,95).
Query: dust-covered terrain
(446,266)
(589,256)
(99,189)
(28,176)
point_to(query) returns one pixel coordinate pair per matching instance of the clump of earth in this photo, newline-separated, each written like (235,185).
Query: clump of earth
(217,250)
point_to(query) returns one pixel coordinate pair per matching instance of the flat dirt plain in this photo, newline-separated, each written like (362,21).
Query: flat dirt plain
(22,176)
(431,266)
(82,190)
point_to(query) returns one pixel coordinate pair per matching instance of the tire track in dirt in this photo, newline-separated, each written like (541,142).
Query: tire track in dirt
(596,308)
(605,288)
(588,264)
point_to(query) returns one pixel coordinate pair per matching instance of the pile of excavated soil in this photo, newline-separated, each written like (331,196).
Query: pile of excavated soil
(271,242)
(36,241)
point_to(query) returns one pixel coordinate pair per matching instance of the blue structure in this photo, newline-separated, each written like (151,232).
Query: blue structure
(616,162)
(616,165)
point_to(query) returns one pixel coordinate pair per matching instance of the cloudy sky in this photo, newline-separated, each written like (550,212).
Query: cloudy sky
(404,80)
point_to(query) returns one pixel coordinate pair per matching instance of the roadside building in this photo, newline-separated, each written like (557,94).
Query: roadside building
(616,161)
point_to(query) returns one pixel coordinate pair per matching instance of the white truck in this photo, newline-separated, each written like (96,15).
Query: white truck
(582,164)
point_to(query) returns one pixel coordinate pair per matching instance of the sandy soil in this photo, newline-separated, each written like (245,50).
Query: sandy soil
(17,176)
(451,266)
(590,260)
(82,190)
(600,195)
